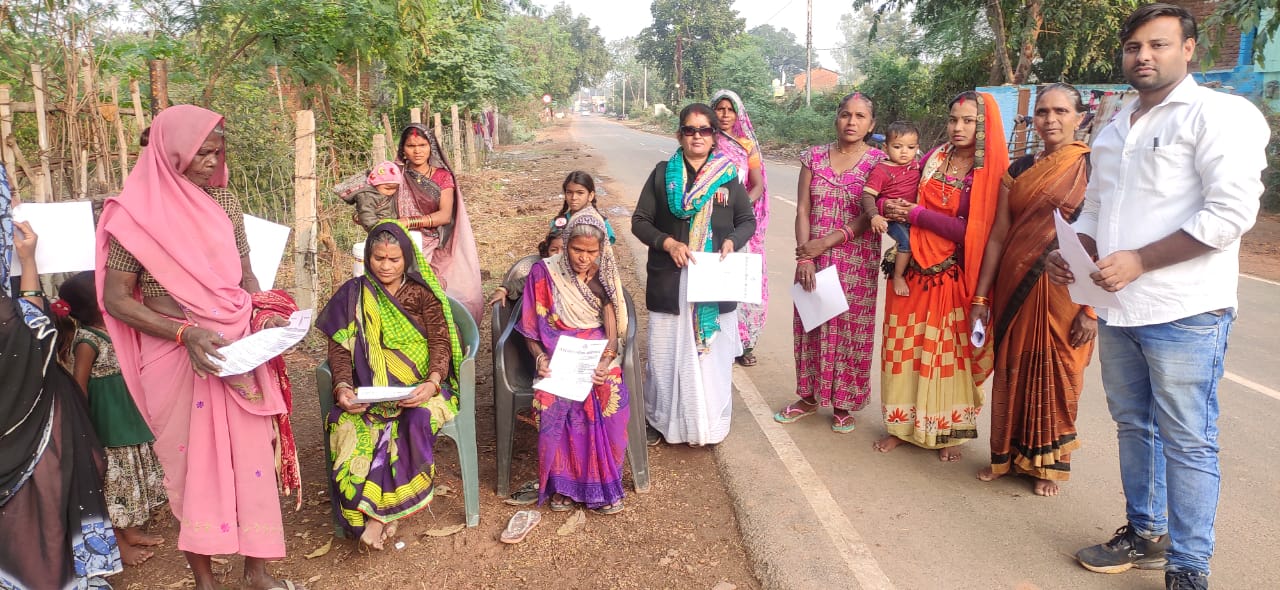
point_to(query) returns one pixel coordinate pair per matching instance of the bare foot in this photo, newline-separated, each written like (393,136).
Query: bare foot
(900,287)
(887,443)
(257,578)
(135,536)
(989,474)
(390,532)
(133,555)
(949,454)
(1046,487)
(373,535)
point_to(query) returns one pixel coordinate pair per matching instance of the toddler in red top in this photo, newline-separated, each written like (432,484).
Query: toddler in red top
(895,178)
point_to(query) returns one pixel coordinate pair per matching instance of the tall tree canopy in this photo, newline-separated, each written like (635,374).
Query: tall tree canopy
(784,56)
(686,39)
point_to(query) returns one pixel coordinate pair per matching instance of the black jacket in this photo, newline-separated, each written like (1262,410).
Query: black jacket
(653,223)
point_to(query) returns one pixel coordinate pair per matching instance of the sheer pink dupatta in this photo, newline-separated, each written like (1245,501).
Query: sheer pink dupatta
(184,239)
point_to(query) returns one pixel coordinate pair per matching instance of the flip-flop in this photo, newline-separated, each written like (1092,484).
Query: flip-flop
(519,526)
(289,585)
(564,504)
(525,495)
(747,359)
(843,424)
(606,510)
(794,411)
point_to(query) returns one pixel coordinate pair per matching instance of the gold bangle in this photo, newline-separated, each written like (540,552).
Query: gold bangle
(980,300)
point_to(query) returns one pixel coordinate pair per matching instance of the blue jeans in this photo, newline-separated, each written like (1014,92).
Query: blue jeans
(1162,388)
(901,233)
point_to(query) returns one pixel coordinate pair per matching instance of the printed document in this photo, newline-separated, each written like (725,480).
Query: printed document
(736,278)
(247,353)
(1083,290)
(572,366)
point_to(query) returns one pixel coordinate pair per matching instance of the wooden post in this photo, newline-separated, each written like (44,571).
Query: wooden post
(121,143)
(44,190)
(159,86)
(306,280)
(494,131)
(1020,128)
(139,114)
(439,133)
(6,130)
(470,133)
(457,138)
(386,128)
(415,115)
(379,149)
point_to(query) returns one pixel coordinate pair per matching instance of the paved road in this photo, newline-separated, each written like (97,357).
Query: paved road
(904,520)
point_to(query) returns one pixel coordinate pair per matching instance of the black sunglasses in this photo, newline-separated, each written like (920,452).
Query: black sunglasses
(688,131)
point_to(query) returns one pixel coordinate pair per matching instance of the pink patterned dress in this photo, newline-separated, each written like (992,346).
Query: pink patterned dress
(833,361)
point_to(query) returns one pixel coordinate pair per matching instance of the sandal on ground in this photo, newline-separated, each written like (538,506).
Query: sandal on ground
(525,495)
(747,359)
(843,424)
(519,526)
(563,504)
(795,411)
(614,508)
(289,585)
(652,437)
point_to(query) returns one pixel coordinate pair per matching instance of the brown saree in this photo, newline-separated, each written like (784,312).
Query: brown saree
(1038,374)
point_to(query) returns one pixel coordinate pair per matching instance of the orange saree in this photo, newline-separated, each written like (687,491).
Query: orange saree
(1038,374)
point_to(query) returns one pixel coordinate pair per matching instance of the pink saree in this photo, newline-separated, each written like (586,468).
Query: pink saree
(215,436)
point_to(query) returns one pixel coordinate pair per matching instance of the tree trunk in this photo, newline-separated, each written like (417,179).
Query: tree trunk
(1030,32)
(995,18)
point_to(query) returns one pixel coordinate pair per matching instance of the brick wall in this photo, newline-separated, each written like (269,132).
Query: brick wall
(1201,9)
(823,80)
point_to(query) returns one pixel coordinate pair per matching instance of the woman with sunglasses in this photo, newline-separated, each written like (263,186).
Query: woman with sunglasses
(693,202)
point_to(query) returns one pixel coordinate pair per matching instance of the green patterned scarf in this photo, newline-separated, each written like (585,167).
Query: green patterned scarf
(692,201)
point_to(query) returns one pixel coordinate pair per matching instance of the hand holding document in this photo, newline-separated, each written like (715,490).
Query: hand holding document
(373,395)
(1083,291)
(65,232)
(739,277)
(247,353)
(825,302)
(572,367)
(978,336)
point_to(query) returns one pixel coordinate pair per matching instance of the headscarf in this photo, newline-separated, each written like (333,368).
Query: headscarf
(990,162)
(566,279)
(181,236)
(730,143)
(387,346)
(455,259)
(687,201)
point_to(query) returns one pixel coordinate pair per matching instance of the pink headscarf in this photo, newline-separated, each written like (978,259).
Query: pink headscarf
(183,238)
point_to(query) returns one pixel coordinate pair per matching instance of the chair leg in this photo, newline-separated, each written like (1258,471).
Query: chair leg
(637,450)
(504,417)
(468,461)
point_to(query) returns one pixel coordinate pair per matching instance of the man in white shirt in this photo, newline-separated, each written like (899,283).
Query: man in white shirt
(1176,181)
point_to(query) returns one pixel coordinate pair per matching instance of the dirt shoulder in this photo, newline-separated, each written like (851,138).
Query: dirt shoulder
(680,534)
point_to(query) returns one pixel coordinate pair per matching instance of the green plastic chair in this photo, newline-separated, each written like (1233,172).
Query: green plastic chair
(462,429)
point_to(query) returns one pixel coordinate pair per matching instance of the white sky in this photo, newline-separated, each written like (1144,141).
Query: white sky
(624,18)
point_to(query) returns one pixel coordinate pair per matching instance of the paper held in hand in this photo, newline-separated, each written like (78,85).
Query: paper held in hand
(373,395)
(267,241)
(65,236)
(736,278)
(826,301)
(1083,290)
(247,353)
(572,366)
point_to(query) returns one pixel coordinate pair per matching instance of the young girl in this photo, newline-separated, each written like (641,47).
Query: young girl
(895,178)
(579,191)
(134,484)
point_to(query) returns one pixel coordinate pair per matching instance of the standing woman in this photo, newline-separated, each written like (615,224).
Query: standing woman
(691,203)
(1042,340)
(174,277)
(931,378)
(737,140)
(833,361)
(431,203)
(57,531)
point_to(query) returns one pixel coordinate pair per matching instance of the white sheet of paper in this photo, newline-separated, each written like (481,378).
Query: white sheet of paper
(736,278)
(65,236)
(1083,290)
(825,302)
(267,241)
(572,366)
(373,395)
(247,353)
(978,336)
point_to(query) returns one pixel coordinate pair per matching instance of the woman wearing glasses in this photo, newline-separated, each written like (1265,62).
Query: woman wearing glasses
(691,203)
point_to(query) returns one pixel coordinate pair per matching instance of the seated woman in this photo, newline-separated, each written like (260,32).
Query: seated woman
(391,327)
(580,444)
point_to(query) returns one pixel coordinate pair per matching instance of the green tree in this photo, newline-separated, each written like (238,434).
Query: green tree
(784,56)
(686,39)
(894,34)
(589,49)
(744,70)
(1230,17)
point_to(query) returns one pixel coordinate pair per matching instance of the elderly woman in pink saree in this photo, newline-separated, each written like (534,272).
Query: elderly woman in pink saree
(174,277)
(737,140)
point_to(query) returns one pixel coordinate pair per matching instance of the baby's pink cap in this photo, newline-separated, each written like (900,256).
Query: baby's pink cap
(385,173)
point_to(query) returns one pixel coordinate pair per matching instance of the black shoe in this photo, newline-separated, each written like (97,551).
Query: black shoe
(651,436)
(1126,550)
(1186,581)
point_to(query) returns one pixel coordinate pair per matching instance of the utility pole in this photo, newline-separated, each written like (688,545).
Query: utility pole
(624,96)
(679,71)
(646,88)
(808,57)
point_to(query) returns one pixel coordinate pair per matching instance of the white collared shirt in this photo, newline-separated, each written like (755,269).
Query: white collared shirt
(1194,162)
